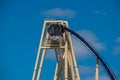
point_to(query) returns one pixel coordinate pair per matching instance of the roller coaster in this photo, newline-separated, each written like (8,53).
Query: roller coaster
(58,38)
(95,52)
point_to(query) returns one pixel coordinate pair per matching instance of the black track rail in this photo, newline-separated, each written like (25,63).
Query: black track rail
(95,52)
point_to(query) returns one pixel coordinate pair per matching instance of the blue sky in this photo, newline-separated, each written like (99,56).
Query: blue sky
(21,25)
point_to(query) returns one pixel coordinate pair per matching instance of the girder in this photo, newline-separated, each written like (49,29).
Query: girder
(56,35)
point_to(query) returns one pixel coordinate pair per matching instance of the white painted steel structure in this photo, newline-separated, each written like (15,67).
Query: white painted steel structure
(66,65)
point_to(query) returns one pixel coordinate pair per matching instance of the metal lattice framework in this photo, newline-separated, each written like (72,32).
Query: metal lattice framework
(56,35)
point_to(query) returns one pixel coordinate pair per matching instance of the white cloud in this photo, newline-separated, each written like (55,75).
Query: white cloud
(90,78)
(104,77)
(101,77)
(99,12)
(117,39)
(80,50)
(85,70)
(116,48)
(58,12)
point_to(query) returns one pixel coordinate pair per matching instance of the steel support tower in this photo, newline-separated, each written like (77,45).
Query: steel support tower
(61,42)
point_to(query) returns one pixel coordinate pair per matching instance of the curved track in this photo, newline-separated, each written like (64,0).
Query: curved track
(95,52)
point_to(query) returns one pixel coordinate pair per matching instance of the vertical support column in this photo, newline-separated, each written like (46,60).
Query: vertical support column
(42,59)
(71,64)
(55,75)
(66,62)
(38,54)
(97,70)
(75,64)
(41,64)
(73,55)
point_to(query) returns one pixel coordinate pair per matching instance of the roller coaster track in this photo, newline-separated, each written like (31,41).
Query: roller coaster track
(95,53)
